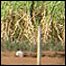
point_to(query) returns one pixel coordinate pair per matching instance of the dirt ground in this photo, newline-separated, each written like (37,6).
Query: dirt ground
(9,58)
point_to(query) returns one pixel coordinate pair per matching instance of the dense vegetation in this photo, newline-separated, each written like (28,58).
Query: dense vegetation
(19,22)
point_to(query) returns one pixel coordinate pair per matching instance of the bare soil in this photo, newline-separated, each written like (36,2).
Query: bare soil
(48,58)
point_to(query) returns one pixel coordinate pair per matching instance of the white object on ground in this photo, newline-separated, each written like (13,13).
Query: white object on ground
(19,53)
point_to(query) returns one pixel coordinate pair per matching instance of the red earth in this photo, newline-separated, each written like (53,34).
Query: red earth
(49,58)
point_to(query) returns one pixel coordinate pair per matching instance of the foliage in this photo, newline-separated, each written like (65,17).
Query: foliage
(19,21)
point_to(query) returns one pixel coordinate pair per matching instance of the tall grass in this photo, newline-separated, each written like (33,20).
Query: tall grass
(19,21)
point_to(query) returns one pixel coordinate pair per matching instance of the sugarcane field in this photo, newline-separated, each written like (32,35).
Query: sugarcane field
(32,32)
